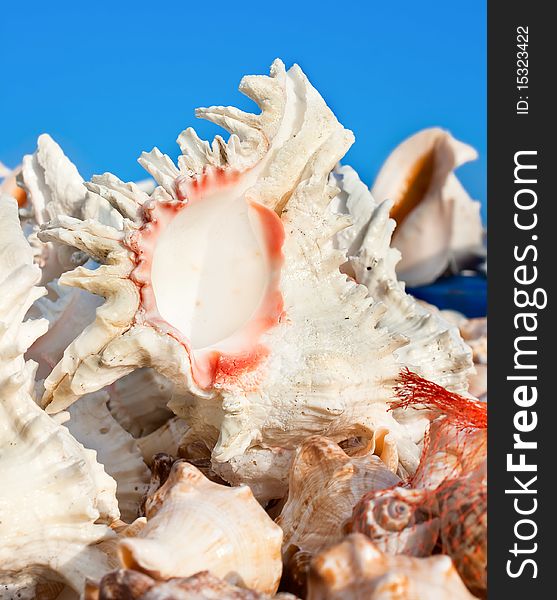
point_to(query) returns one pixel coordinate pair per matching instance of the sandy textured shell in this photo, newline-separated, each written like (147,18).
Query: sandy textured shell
(194,524)
(356,569)
(325,484)
(435,349)
(92,424)
(439,225)
(138,402)
(56,497)
(133,585)
(326,335)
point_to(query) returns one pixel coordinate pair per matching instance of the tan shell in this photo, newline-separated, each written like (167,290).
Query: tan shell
(133,585)
(194,524)
(398,520)
(325,484)
(356,569)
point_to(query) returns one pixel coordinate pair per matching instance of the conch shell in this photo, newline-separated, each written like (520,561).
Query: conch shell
(325,484)
(57,500)
(438,225)
(356,569)
(291,355)
(194,525)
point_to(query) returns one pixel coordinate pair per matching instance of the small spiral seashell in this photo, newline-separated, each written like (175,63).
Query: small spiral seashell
(393,514)
(398,520)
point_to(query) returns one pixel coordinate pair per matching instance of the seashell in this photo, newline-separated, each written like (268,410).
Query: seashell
(325,484)
(356,569)
(57,499)
(8,184)
(138,402)
(68,312)
(446,501)
(450,452)
(166,439)
(435,348)
(438,225)
(53,187)
(273,368)
(133,585)
(474,333)
(226,530)
(92,424)
(463,505)
(398,520)
(265,470)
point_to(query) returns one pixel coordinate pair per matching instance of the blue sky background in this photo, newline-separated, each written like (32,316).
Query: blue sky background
(110,79)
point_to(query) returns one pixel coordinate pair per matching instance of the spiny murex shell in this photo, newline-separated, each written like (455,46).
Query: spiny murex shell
(194,524)
(313,336)
(435,349)
(439,225)
(356,569)
(299,350)
(56,498)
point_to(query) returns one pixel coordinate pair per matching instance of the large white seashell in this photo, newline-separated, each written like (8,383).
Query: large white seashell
(56,498)
(92,424)
(53,186)
(439,226)
(194,524)
(356,570)
(325,484)
(435,349)
(298,351)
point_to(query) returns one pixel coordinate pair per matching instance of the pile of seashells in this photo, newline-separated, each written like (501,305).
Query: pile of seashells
(199,380)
